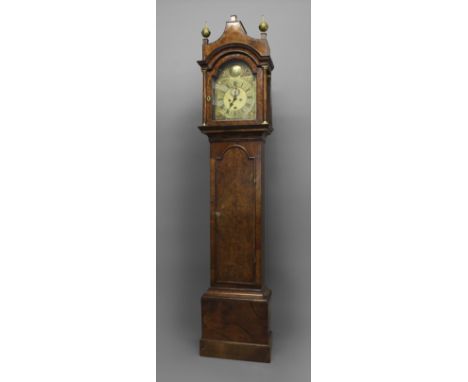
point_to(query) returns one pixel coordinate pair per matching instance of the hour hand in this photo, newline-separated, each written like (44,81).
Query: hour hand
(232,102)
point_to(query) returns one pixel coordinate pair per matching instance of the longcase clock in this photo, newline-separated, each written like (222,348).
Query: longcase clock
(236,118)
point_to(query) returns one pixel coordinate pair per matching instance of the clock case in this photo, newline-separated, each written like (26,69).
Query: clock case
(235,308)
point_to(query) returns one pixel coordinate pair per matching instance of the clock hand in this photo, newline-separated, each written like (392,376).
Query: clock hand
(232,103)
(234,100)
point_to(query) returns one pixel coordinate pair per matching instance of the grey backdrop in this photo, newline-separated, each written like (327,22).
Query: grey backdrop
(183,190)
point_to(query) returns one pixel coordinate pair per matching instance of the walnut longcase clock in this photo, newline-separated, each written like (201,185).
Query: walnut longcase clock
(236,118)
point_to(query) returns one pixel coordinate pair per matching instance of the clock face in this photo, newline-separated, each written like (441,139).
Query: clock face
(235,93)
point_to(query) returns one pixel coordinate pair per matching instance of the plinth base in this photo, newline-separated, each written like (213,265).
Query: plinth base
(243,351)
(235,324)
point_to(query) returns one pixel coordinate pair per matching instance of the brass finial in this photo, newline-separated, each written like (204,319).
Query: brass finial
(205,32)
(263,26)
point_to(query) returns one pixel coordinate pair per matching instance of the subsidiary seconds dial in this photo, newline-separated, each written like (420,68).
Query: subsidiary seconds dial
(235,93)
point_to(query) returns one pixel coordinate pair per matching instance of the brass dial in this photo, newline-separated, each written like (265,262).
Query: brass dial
(234,95)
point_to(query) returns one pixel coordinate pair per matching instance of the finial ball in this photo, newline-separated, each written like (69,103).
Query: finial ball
(206,31)
(263,26)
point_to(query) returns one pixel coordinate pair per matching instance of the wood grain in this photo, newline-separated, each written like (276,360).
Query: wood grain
(234,216)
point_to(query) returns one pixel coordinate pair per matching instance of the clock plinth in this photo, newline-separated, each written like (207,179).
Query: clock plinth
(236,118)
(235,324)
